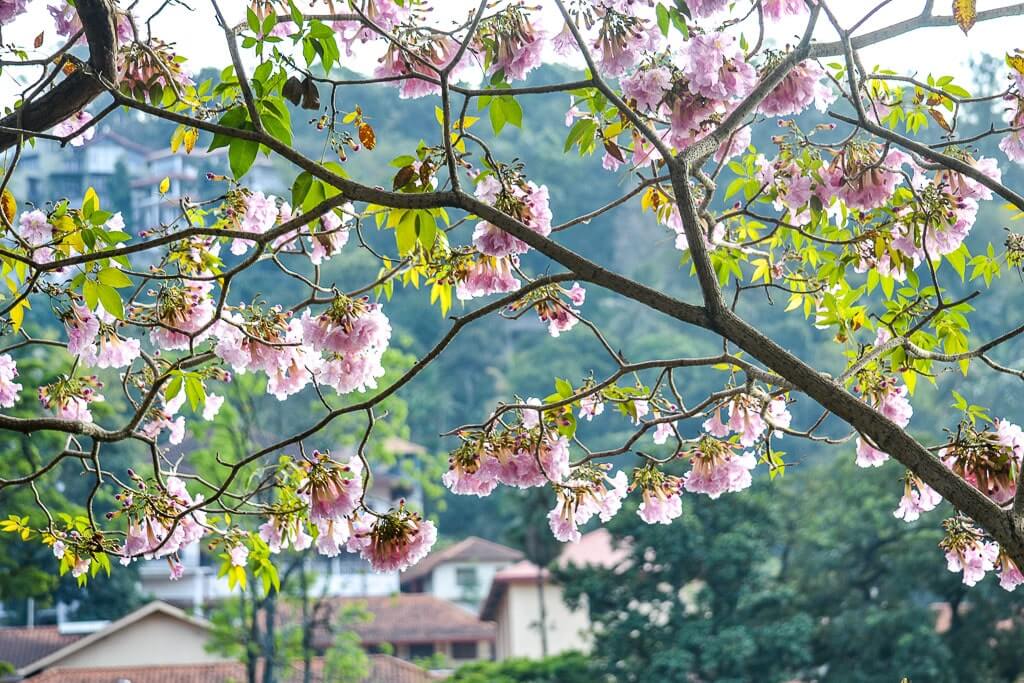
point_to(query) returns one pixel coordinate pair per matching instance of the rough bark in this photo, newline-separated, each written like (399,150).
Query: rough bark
(76,91)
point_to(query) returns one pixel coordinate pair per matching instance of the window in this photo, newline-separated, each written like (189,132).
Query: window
(421,650)
(465,577)
(467,650)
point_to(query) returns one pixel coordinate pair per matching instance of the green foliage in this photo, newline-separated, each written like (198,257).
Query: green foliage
(785,583)
(570,667)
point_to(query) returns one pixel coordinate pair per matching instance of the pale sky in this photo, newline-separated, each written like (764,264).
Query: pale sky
(942,51)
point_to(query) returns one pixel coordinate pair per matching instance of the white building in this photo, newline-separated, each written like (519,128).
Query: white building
(521,593)
(461,573)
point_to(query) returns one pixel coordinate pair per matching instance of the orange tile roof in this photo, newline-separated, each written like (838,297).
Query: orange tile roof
(383,669)
(22,645)
(221,672)
(404,618)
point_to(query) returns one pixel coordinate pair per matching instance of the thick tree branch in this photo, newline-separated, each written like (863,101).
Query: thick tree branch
(80,88)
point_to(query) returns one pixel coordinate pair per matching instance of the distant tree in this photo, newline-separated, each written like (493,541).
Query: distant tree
(787,585)
(569,667)
(346,661)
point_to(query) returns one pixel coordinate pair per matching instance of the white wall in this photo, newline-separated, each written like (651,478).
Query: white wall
(519,617)
(443,582)
(156,639)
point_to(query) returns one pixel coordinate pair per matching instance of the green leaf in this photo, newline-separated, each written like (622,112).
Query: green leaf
(300,188)
(664,20)
(90,290)
(173,387)
(497,115)
(111,301)
(512,110)
(195,391)
(113,277)
(241,155)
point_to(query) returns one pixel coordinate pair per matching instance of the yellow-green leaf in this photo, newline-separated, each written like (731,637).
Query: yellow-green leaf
(965,12)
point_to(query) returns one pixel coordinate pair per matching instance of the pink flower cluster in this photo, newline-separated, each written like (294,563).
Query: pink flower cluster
(662,501)
(621,41)
(703,9)
(385,14)
(434,54)
(973,560)
(280,532)
(715,68)
(69,397)
(266,341)
(801,86)
(93,337)
(518,461)
(488,275)
(9,389)
(158,532)
(917,497)
(890,399)
(745,419)
(260,215)
(715,468)
(10,9)
(1013,144)
(513,45)
(396,540)
(582,498)
(34,227)
(335,492)
(327,242)
(182,314)
(862,178)
(354,335)
(524,201)
(989,460)
(778,9)
(559,315)
(74,123)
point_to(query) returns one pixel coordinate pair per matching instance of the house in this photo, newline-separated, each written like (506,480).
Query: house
(412,626)
(105,163)
(127,175)
(132,640)
(157,643)
(462,572)
(521,591)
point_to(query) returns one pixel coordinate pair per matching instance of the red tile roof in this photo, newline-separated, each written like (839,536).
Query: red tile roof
(405,618)
(21,646)
(470,549)
(186,673)
(383,669)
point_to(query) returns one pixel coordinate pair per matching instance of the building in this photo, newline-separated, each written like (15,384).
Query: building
(514,602)
(157,643)
(412,626)
(127,174)
(462,572)
(134,640)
